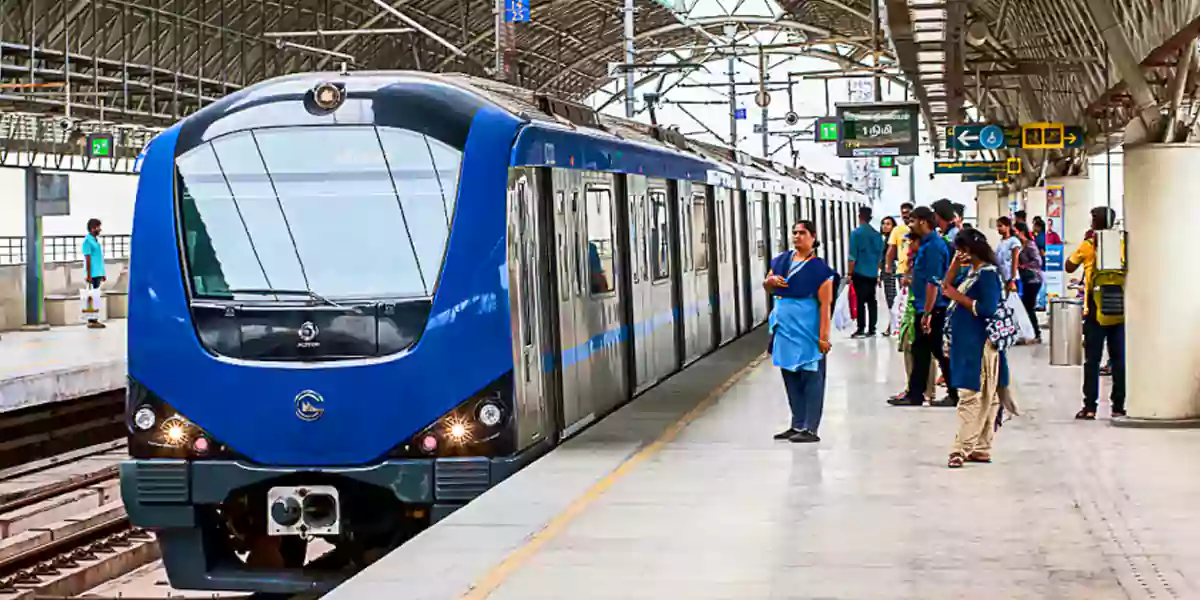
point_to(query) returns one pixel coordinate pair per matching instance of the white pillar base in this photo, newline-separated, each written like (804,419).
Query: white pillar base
(1162,316)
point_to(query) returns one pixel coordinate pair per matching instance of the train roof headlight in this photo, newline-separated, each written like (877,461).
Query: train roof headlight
(490,414)
(144,418)
(327,96)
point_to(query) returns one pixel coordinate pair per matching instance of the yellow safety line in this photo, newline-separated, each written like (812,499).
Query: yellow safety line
(517,558)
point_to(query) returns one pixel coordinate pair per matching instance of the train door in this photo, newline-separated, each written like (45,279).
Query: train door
(728,291)
(740,243)
(760,258)
(527,293)
(694,306)
(653,308)
(640,297)
(601,247)
(572,314)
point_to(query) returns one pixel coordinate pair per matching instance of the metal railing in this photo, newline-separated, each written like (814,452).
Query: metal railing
(61,248)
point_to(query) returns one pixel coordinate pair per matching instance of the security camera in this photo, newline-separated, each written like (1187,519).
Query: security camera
(67,123)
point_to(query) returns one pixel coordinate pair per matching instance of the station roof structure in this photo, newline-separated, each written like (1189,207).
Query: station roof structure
(151,62)
(1019,61)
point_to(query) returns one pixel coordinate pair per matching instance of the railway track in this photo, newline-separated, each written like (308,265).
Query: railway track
(29,435)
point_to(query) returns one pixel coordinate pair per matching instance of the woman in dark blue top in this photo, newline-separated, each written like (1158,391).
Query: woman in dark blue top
(977,369)
(802,284)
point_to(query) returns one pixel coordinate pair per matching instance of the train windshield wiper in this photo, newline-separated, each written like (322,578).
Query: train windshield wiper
(311,295)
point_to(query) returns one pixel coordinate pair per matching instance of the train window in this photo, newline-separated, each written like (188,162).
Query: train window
(528,251)
(564,261)
(600,240)
(699,232)
(685,235)
(719,201)
(757,216)
(645,235)
(660,240)
(390,190)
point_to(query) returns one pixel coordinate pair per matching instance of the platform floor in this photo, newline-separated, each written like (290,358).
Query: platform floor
(1078,510)
(63,363)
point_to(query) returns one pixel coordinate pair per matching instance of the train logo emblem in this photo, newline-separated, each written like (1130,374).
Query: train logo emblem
(308,332)
(308,405)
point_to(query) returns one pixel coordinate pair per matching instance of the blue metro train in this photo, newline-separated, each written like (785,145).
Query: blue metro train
(360,300)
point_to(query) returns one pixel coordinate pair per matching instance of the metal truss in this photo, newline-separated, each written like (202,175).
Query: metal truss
(151,62)
(1103,64)
(28,139)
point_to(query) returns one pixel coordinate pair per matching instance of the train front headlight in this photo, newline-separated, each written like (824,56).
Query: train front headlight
(144,418)
(490,414)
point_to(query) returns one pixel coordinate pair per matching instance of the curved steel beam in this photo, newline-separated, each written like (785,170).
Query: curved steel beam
(704,22)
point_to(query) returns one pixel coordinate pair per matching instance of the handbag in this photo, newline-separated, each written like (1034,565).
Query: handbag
(1001,328)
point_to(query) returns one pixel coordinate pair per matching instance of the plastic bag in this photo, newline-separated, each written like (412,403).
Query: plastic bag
(1024,325)
(842,319)
(91,305)
(898,308)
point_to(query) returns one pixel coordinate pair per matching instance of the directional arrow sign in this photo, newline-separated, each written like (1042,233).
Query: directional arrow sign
(969,166)
(980,136)
(1073,136)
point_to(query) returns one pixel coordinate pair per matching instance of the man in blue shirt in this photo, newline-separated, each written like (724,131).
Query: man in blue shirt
(929,268)
(93,262)
(866,254)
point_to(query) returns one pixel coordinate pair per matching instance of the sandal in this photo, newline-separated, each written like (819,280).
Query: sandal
(1086,415)
(979,457)
(956,460)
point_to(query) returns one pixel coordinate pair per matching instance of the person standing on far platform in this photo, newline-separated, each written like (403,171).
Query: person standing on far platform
(1029,269)
(887,268)
(980,370)
(866,254)
(929,268)
(93,262)
(802,284)
(1097,335)
(1007,253)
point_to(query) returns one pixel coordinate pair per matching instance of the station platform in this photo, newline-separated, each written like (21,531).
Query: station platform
(683,494)
(63,363)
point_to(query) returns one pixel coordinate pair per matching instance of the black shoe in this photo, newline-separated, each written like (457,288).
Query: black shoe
(947,401)
(857,335)
(804,436)
(1118,413)
(1086,414)
(785,435)
(871,334)
(906,402)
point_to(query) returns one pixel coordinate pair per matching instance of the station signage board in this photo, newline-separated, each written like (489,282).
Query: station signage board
(879,129)
(100,145)
(517,11)
(828,130)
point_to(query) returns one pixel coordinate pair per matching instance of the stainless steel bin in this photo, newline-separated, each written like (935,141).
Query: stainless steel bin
(1066,332)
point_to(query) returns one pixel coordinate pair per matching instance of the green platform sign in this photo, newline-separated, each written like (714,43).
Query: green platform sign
(887,162)
(829,130)
(100,145)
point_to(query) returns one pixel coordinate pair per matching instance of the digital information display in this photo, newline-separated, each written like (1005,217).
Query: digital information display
(879,129)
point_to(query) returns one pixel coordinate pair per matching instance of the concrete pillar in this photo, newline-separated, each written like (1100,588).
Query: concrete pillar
(990,205)
(1162,343)
(1077,200)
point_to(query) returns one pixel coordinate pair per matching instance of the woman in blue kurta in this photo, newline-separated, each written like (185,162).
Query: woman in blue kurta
(802,284)
(977,369)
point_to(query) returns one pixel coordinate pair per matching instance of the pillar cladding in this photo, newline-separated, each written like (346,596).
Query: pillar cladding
(1162,317)
(1077,206)
(989,206)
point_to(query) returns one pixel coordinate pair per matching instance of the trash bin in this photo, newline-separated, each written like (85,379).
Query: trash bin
(1066,332)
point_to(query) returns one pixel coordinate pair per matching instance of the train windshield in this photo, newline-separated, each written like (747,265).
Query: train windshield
(346,212)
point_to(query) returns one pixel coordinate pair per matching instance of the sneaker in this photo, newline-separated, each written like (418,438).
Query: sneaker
(857,335)
(804,436)
(905,401)
(1118,413)
(947,401)
(786,434)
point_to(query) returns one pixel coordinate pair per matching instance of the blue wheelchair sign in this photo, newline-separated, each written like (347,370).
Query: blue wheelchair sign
(991,137)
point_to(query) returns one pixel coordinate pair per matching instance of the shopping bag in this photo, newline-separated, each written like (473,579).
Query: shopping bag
(853,301)
(91,305)
(841,310)
(1024,325)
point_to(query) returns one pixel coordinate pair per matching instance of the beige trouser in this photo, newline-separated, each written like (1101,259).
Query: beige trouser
(931,389)
(977,410)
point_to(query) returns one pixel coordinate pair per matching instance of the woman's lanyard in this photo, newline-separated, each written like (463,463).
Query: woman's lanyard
(794,267)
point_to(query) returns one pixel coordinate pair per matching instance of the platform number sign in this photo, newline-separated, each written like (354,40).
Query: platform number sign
(516,11)
(829,130)
(887,162)
(100,145)
(739,114)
